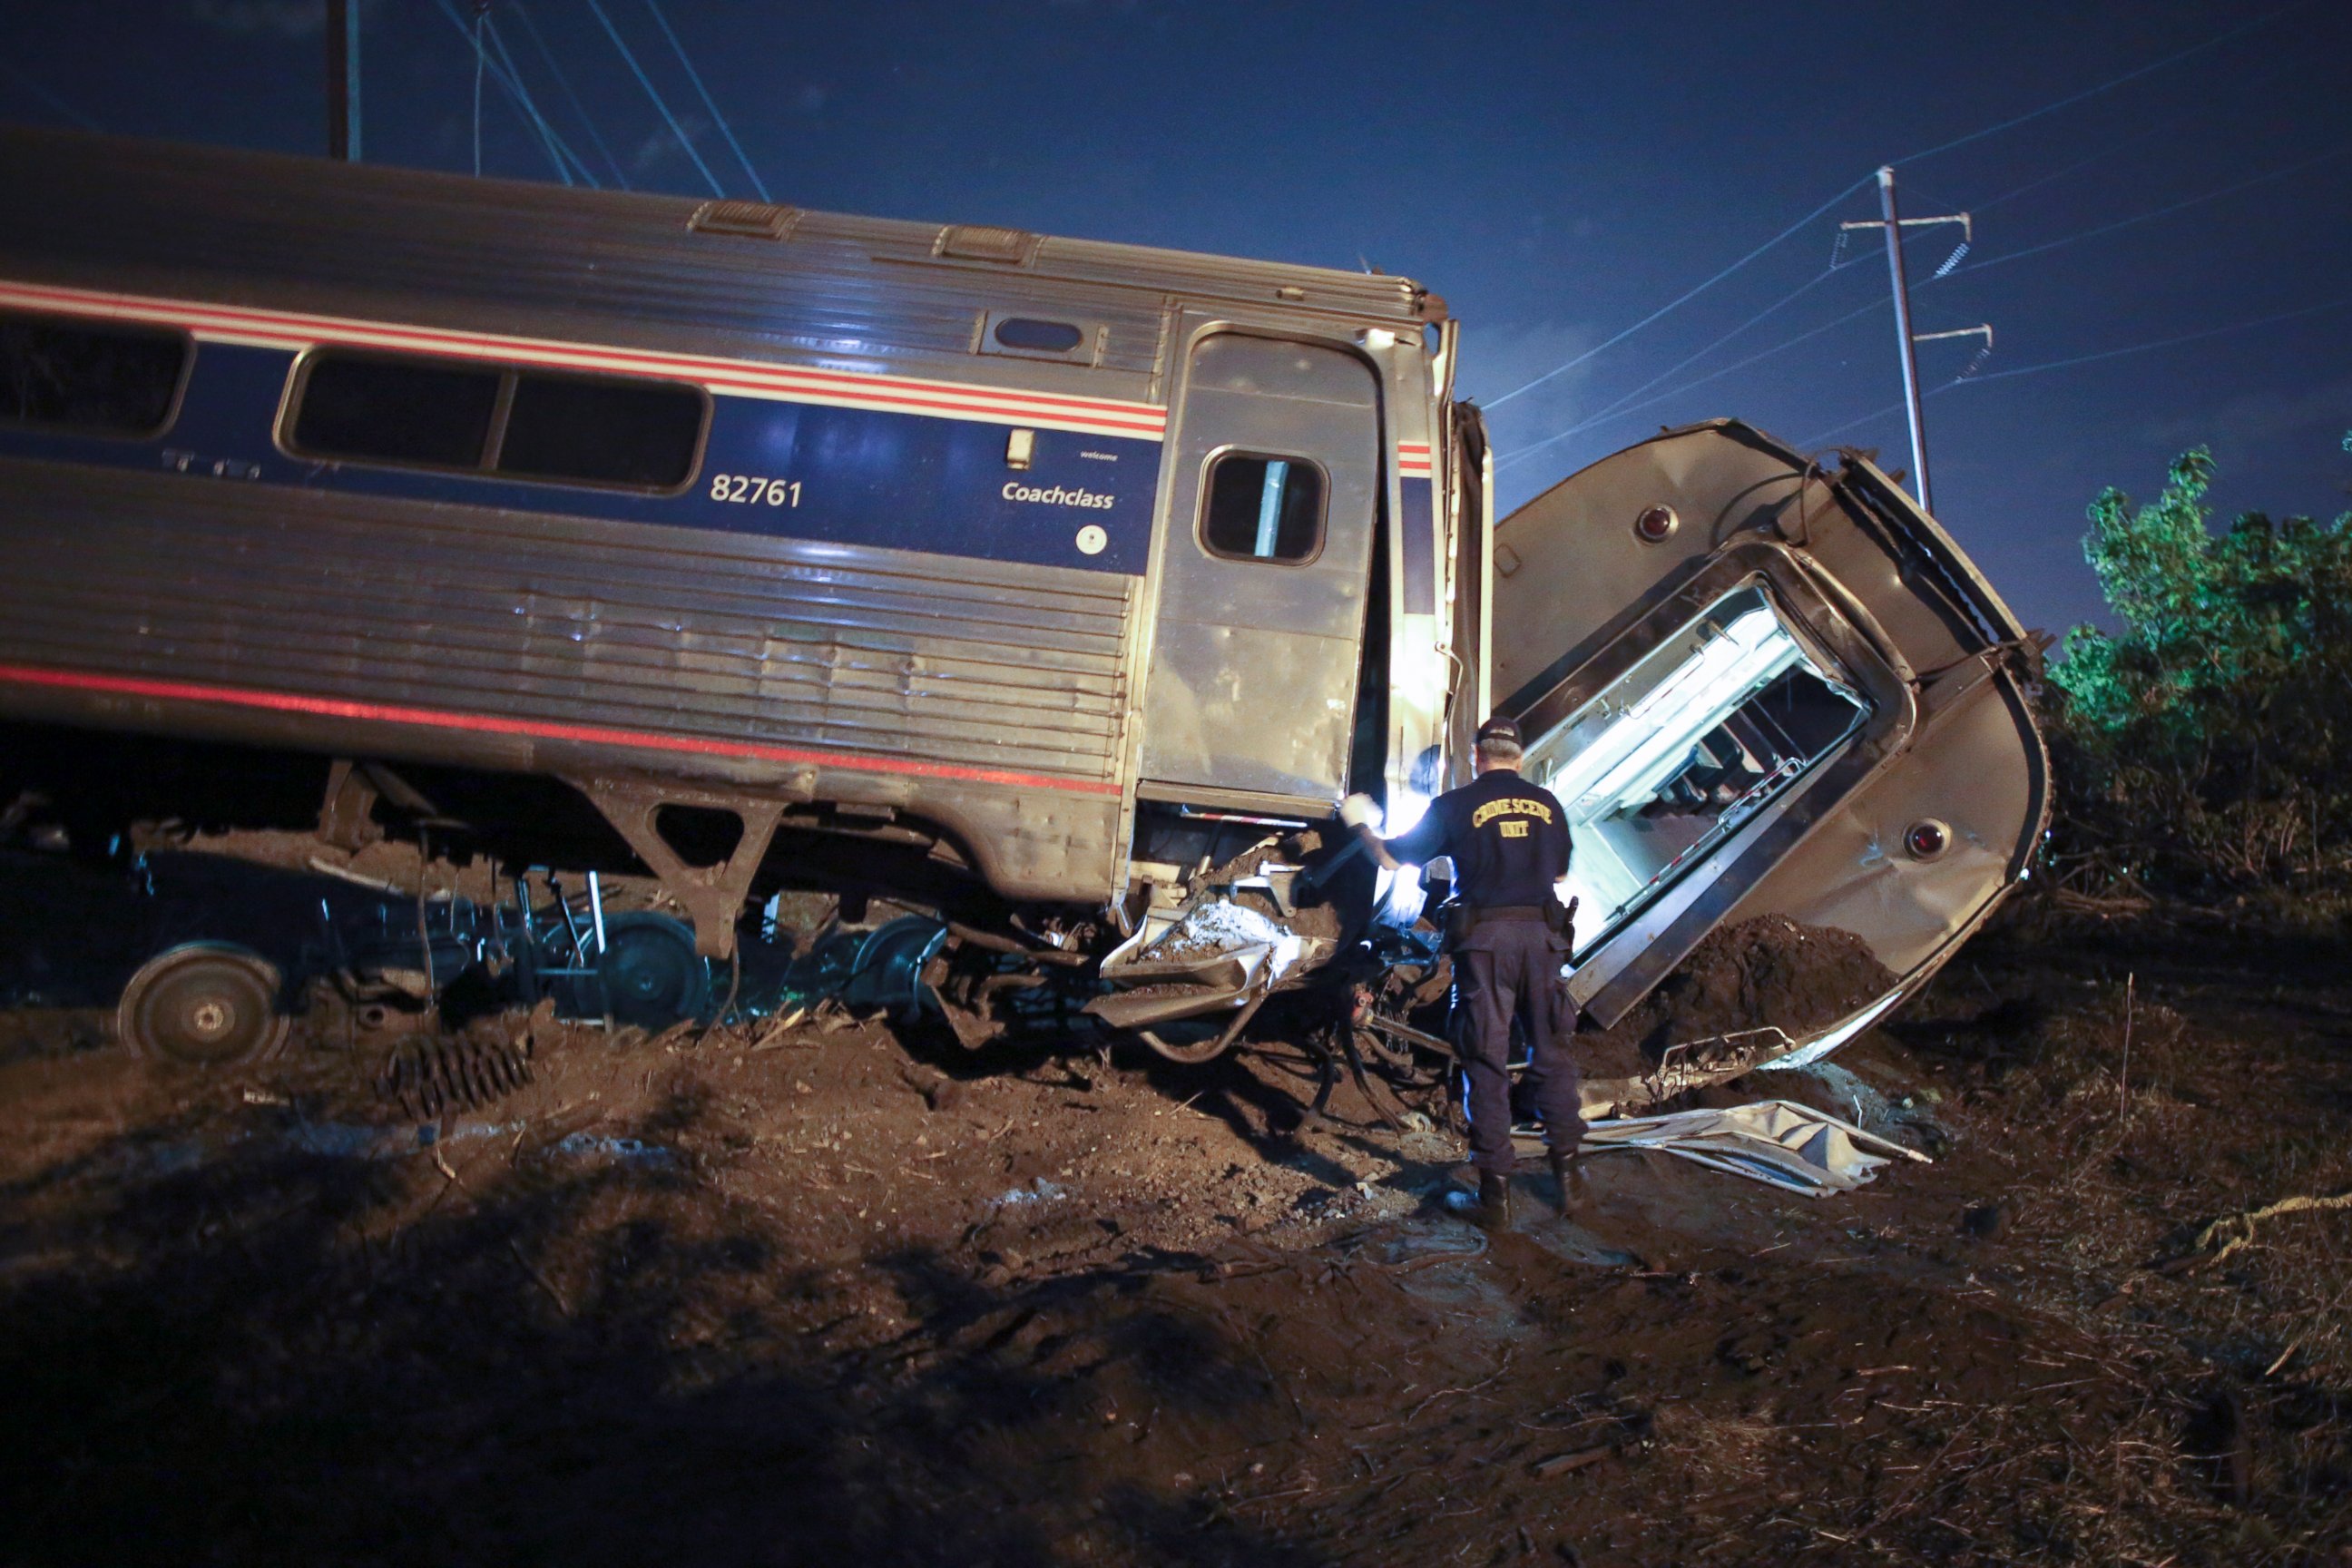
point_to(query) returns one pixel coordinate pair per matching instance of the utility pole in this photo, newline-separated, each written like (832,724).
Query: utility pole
(343,80)
(1903,334)
(1904,339)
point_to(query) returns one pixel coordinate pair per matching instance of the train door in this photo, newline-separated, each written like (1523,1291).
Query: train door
(1264,572)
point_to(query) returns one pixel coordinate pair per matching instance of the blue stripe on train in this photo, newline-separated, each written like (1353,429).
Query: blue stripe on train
(896,481)
(1419,579)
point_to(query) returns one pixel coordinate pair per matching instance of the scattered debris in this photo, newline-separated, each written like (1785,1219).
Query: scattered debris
(1769,971)
(2236,1230)
(1777,1142)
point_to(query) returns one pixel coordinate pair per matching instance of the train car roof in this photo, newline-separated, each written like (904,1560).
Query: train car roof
(73,196)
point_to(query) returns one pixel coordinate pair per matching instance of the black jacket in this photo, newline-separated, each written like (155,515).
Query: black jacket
(1508,839)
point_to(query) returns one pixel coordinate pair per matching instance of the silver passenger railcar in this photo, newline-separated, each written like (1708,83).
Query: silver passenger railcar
(1088,576)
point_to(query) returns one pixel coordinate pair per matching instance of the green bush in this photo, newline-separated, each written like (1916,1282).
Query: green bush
(2206,745)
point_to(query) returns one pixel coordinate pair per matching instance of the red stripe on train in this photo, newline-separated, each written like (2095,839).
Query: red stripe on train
(337,708)
(304,329)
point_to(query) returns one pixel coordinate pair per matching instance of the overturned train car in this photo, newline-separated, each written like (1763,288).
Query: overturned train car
(1061,588)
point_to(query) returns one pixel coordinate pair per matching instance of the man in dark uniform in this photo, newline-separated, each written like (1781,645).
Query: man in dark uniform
(1509,842)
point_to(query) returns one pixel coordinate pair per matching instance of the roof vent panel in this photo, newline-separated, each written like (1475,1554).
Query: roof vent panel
(750,220)
(981,242)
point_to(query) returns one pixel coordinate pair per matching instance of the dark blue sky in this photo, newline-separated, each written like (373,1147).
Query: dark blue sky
(1557,172)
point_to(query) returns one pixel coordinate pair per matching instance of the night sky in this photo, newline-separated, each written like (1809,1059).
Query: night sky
(1558,172)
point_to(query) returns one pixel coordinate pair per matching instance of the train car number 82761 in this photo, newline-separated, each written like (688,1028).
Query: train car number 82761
(750,488)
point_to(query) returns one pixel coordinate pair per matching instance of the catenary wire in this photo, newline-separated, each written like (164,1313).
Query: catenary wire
(1995,129)
(709,102)
(565,158)
(1681,301)
(2165,342)
(2108,85)
(1620,407)
(547,56)
(2230,190)
(2073,360)
(1506,461)
(481,64)
(1611,410)
(651,91)
(2112,148)
(513,88)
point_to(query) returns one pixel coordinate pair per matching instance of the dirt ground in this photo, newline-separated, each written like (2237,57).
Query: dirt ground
(823,1295)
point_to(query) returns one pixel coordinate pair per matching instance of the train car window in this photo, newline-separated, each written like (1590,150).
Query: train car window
(529,424)
(110,378)
(604,432)
(1038,337)
(396,410)
(1262,508)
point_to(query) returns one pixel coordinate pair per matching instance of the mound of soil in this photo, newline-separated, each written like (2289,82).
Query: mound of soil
(1769,971)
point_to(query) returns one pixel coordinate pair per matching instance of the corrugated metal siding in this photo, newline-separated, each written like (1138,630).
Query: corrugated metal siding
(863,652)
(847,293)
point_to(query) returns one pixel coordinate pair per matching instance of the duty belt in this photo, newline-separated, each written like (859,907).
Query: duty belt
(1484,913)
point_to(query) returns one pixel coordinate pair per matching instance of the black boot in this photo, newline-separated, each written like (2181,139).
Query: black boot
(1490,1209)
(1495,1200)
(1568,1169)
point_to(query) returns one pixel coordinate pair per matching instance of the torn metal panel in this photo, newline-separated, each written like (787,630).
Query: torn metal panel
(1777,1142)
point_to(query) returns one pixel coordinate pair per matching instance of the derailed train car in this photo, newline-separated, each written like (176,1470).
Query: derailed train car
(1063,587)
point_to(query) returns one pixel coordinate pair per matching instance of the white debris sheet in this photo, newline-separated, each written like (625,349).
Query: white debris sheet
(1777,1142)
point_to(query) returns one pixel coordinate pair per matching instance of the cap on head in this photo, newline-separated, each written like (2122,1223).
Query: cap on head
(1499,738)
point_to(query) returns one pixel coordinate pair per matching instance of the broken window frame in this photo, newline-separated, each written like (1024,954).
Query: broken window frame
(1838,633)
(1713,626)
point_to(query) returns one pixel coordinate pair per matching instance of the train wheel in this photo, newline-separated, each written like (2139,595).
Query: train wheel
(202,1003)
(653,977)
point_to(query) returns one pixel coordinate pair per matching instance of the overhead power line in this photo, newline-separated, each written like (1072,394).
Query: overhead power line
(2159,128)
(2071,360)
(2164,211)
(2165,342)
(1622,406)
(511,85)
(710,103)
(588,120)
(2108,85)
(481,64)
(2052,108)
(1674,392)
(1610,410)
(1810,442)
(1680,301)
(659,103)
(565,158)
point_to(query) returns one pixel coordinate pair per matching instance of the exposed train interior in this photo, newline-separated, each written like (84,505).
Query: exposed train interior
(1673,757)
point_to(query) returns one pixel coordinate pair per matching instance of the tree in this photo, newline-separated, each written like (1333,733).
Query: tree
(2211,735)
